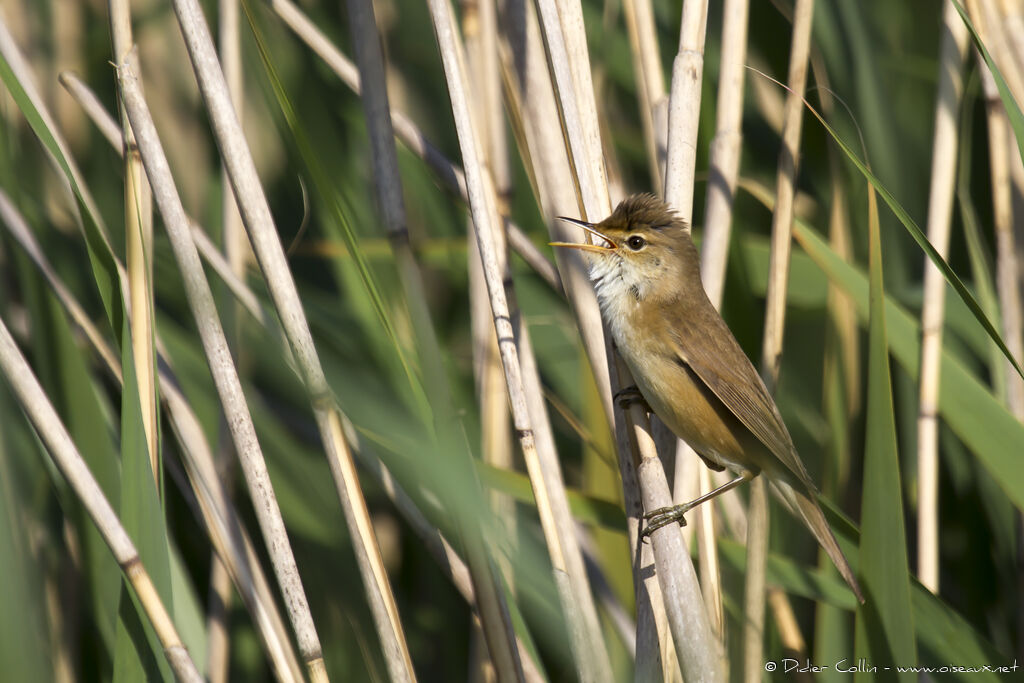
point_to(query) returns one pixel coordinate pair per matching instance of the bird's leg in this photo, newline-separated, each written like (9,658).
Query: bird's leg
(674,513)
(631,395)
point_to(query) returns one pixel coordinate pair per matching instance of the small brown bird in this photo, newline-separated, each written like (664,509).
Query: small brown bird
(688,367)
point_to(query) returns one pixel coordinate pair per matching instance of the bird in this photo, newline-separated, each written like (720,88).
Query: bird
(688,367)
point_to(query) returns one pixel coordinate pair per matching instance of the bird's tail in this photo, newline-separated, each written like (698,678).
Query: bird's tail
(800,499)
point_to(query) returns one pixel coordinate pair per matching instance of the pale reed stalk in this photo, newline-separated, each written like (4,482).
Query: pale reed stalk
(222,367)
(266,245)
(650,80)
(681,158)
(450,563)
(236,244)
(1003,152)
(721,189)
(724,160)
(67,458)
(684,109)
(230,540)
(775,304)
(492,610)
(997,29)
(533,106)
(138,234)
(683,115)
(556,521)
(782,216)
(236,248)
(699,653)
(573,32)
(724,156)
(952,51)
(1000,27)
(479,21)
(408,132)
(545,442)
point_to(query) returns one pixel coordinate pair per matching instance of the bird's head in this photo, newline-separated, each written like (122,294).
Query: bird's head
(642,249)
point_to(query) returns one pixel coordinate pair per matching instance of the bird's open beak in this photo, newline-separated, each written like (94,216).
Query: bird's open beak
(604,246)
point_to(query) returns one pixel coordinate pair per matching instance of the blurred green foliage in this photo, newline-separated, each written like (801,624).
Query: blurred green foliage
(59,594)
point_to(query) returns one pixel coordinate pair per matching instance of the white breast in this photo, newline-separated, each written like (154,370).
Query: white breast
(615,288)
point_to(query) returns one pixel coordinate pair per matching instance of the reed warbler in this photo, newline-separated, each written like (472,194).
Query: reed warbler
(688,367)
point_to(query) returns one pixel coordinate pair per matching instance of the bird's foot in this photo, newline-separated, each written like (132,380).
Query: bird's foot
(629,396)
(663,517)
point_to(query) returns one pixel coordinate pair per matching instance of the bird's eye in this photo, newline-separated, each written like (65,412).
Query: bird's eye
(636,242)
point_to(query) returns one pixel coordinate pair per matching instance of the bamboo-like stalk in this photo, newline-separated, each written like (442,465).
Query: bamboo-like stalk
(952,51)
(782,216)
(595,201)
(684,109)
(266,245)
(698,652)
(650,80)
(448,560)
(775,305)
(841,309)
(236,248)
(574,35)
(138,229)
(201,470)
(533,106)
(652,642)
(999,33)
(1001,151)
(496,433)
(681,157)
(724,155)
(721,189)
(207,249)
(754,582)
(493,612)
(681,152)
(576,602)
(723,171)
(236,245)
(222,367)
(479,21)
(64,453)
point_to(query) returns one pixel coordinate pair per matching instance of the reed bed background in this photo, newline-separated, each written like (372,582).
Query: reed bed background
(294,388)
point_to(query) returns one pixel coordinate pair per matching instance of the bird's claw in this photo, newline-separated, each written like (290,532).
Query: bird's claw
(629,396)
(656,519)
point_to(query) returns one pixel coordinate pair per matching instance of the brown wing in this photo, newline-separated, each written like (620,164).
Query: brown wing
(704,342)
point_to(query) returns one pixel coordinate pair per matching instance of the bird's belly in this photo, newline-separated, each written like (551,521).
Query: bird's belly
(691,410)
